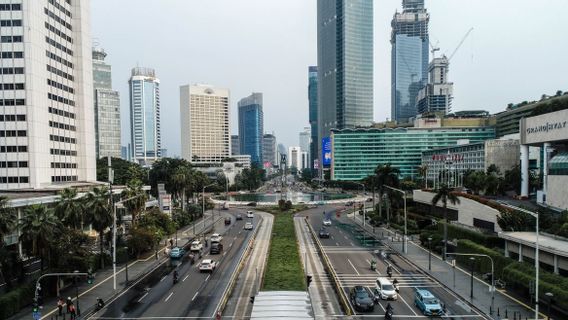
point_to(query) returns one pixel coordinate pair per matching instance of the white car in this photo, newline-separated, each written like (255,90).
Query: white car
(207,265)
(196,246)
(327,222)
(250,214)
(385,290)
(216,237)
(248,226)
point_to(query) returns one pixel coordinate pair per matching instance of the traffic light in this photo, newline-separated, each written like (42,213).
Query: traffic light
(35,307)
(308,279)
(90,277)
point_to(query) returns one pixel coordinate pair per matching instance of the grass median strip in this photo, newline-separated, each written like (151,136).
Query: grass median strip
(284,268)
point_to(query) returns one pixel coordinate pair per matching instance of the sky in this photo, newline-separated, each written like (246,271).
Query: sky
(517,51)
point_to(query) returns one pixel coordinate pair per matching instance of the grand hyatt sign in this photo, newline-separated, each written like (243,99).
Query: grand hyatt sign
(545,128)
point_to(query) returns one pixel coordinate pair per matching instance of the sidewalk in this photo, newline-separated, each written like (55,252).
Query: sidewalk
(457,279)
(102,286)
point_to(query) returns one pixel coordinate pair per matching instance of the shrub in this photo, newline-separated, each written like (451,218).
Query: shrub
(457,232)
(13,301)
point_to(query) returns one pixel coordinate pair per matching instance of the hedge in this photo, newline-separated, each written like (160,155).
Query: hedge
(483,265)
(457,232)
(16,299)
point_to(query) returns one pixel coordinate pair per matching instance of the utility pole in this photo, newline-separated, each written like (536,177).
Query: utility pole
(111,202)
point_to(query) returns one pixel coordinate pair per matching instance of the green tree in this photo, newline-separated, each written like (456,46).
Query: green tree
(515,221)
(99,215)
(386,176)
(124,171)
(513,179)
(445,194)
(69,209)
(7,218)
(39,226)
(476,181)
(134,199)
(423,171)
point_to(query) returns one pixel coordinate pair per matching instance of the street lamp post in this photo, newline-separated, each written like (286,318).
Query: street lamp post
(404,242)
(472,259)
(126,269)
(364,214)
(203,198)
(429,254)
(471,255)
(550,295)
(77,293)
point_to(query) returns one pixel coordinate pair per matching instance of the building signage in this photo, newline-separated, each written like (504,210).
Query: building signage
(326,151)
(547,127)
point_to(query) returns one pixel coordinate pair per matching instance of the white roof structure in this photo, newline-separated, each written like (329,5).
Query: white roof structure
(546,243)
(273,305)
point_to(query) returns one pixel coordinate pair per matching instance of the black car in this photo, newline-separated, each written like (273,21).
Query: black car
(239,216)
(362,298)
(227,220)
(323,233)
(216,248)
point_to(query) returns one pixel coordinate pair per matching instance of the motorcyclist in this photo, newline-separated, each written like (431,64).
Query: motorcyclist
(389,271)
(100,303)
(395,284)
(388,312)
(175,276)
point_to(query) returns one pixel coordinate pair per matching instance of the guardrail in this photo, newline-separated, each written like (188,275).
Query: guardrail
(331,272)
(231,285)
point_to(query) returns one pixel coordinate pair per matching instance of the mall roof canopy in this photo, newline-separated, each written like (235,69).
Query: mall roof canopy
(270,305)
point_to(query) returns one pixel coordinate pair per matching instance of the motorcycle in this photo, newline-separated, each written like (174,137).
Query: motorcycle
(395,285)
(373,265)
(100,304)
(389,312)
(175,277)
(389,271)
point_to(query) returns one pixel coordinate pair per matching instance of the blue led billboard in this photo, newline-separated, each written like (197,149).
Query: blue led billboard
(326,151)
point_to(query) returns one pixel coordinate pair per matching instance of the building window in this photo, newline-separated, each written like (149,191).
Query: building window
(10,55)
(10,39)
(10,7)
(11,23)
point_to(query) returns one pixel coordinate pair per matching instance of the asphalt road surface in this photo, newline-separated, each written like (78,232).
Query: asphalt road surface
(197,294)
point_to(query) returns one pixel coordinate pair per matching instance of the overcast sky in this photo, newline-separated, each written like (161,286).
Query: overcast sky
(517,51)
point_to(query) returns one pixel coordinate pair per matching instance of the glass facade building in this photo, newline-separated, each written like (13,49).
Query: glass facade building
(357,152)
(251,127)
(345,65)
(409,58)
(313,106)
(145,116)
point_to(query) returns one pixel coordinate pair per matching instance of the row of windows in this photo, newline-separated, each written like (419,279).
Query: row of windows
(57,18)
(10,23)
(12,102)
(54,124)
(10,54)
(12,71)
(58,45)
(60,86)
(57,58)
(62,139)
(55,97)
(13,164)
(61,112)
(60,7)
(60,73)
(63,165)
(8,7)
(13,148)
(12,117)
(14,179)
(13,133)
(58,32)
(11,86)
(63,152)
(63,178)
(10,39)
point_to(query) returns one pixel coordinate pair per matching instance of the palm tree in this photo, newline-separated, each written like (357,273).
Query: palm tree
(136,199)
(422,171)
(386,175)
(40,226)
(99,215)
(445,194)
(69,208)
(7,218)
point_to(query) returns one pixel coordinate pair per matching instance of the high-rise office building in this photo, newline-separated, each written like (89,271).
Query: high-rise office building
(205,131)
(145,128)
(313,109)
(304,140)
(409,58)
(107,108)
(436,96)
(345,65)
(46,94)
(269,150)
(235,145)
(295,158)
(251,126)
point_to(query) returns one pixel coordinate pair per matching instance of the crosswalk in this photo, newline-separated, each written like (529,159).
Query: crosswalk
(404,280)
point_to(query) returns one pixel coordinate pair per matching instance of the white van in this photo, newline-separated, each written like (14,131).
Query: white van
(385,290)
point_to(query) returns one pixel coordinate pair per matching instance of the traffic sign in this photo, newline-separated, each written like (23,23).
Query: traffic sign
(36,315)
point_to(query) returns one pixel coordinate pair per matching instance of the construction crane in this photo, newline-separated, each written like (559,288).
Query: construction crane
(460,44)
(434,48)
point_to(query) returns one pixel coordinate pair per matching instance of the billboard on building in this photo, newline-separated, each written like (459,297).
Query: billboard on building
(326,151)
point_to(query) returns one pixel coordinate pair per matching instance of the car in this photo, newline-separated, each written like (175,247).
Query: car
(216,248)
(207,265)
(239,216)
(323,233)
(248,226)
(227,220)
(216,238)
(349,203)
(362,298)
(177,253)
(427,303)
(225,206)
(196,245)
(250,214)
(385,290)
(327,222)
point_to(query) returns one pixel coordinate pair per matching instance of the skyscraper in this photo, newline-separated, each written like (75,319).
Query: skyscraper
(145,116)
(205,132)
(436,96)
(304,140)
(251,126)
(409,58)
(269,149)
(107,108)
(313,106)
(345,65)
(46,90)
(235,145)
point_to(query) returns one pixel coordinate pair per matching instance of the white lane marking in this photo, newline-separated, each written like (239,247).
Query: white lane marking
(230,245)
(337,243)
(162,278)
(142,297)
(224,253)
(377,270)
(352,244)
(345,237)
(235,238)
(406,303)
(207,277)
(331,237)
(353,267)
(195,295)
(185,278)
(168,298)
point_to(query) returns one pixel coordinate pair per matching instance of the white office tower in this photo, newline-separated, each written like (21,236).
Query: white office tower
(145,129)
(46,94)
(295,158)
(437,95)
(204,111)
